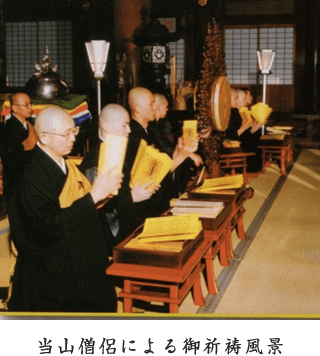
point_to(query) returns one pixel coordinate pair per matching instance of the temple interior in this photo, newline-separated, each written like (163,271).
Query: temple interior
(261,254)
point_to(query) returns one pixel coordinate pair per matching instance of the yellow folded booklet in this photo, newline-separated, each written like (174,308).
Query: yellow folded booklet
(168,246)
(273,137)
(231,144)
(112,154)
(285,128)
(170,228)
(189,131)
(229,182)
(245,115)
(150,165)
(260,112)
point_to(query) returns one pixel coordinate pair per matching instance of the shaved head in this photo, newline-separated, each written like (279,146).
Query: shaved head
(141,102)
(112,113)
(234,97)
(241,98)
(137,94)
(50,119)
(161,106)
(54,127)
(160,99)
(21,106)
(114,120)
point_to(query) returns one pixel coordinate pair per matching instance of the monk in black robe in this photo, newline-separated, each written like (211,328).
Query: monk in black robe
(250,134)
(18,137)
(56,227)
(143,111)
(188,168)
(129,209)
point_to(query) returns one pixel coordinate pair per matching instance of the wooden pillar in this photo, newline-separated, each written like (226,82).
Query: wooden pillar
(315,53)
(128,20)
(2,49)
(203,17)
(307,69)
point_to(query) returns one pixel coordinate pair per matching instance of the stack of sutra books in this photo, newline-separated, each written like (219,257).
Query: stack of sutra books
(205,209)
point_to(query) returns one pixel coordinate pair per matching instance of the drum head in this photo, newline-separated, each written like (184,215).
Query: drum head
(220,103)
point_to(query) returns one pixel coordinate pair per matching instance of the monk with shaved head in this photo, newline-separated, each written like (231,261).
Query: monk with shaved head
(56,227)
(124,212)
(18,137)
(143,108)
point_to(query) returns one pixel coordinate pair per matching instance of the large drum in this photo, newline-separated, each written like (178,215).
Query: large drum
(220,103)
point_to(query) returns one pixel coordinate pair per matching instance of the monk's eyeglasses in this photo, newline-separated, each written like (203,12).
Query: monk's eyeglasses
(28,105)
(75,130)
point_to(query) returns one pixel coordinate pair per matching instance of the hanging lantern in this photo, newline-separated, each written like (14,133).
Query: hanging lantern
(154,41)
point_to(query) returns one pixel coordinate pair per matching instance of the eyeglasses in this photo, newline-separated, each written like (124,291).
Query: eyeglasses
(28,105)
(75,130)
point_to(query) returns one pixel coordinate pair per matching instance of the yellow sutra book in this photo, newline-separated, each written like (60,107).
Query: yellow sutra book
(189,131)
(273,137)
(150,165)
(231,144)
(222,183)
(112,154)
(260,112)
(170,228)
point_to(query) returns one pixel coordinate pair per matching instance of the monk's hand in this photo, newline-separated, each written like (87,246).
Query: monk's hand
(105,184)
(196,159)
(182,151)
(255,127)
(188,147)
(143,193)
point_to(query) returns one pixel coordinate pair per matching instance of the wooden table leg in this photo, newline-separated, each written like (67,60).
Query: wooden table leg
(127,302)
(197,293)
(244,171)
(173,307)
(223,254)
(290,153)
(282,162)
(229,249)
(210,276)
(263,160)
(240,228)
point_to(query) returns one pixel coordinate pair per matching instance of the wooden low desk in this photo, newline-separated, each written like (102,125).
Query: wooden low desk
(219,230)
(282,152)
(171,285)
(175,282)
(236,160)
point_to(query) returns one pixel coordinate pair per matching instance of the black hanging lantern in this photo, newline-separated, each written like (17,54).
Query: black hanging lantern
(155,54)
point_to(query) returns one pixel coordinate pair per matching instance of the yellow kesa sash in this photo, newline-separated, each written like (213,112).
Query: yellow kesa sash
(76,186)
(32,139)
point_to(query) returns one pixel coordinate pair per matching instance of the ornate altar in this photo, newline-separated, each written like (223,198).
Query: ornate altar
(212,99)
(47,87)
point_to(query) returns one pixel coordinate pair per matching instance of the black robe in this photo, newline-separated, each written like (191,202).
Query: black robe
(234,125)
(13,155)
(186,170)
(249,143)
(126,214)
(160,201)
(62,254)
